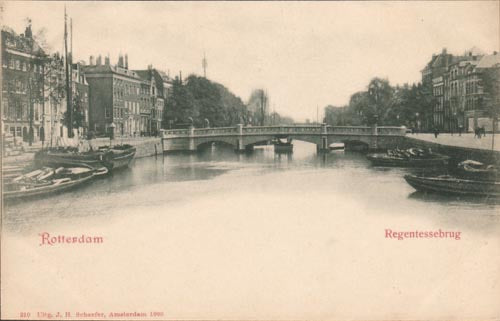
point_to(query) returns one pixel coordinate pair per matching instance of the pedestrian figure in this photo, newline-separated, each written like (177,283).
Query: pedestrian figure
(436,132)
(477,133)
(483,131)
(460,128)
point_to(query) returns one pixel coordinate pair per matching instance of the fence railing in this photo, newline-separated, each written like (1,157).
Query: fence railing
(281,130)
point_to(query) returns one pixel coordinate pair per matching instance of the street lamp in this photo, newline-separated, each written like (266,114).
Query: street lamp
(112,126)
(416,121)
(456,119)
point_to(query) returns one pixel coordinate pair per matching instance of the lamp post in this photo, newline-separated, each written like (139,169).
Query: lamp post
(112,136)
(417,121)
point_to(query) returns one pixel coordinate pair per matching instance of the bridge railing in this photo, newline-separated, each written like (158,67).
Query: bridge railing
(295,129)
(347,130)
(174,132)
(388,130)
(281,129)
(215,131)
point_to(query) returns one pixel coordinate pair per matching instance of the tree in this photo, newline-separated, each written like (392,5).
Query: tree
(359,108)
(78,112)
(380,94)
(181,106)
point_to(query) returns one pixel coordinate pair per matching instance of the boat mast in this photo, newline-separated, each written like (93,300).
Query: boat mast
(69,102)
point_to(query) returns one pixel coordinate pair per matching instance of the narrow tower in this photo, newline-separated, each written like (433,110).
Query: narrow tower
(204,64)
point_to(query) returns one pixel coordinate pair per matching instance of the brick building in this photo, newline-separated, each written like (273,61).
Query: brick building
(447,75)
(118,98)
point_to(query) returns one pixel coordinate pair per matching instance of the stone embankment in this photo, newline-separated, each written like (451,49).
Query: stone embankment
(458,147)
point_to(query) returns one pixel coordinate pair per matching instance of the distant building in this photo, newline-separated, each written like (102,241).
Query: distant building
(258,105)
(118,98)
(445,74)
(22,95)
(160,90)
(482,88)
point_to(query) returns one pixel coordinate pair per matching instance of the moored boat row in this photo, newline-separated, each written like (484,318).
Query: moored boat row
(413,157)
(470,178)
(61,169)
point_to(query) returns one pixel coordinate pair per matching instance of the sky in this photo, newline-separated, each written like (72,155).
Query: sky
(305,54)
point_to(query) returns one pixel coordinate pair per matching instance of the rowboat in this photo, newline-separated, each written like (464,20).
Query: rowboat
(446,184)
(472,169)
(45,181)
(412,157)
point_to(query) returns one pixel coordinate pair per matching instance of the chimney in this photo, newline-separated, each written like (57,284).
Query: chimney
(444,51)
(91,60)
(120,61)
(99,60)
(106,60)
(27,32)
(126,61)
(494,53)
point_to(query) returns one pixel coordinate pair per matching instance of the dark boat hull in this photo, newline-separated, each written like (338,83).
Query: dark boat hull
(283,148)
(382,160)
(109,158)
(455,186)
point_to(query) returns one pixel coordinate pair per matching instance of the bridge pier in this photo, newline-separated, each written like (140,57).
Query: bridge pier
(374,138)
(191,142)
(323,145)
(240,147)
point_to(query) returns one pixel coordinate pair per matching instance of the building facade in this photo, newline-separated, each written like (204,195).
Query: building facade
(120,101)
(450,78)
(22,96)
(160,90)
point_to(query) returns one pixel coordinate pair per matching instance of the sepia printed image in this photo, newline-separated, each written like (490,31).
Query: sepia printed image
(224,160)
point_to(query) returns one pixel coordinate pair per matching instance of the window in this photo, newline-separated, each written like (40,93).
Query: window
(24,66)
(18,65)
(12,64)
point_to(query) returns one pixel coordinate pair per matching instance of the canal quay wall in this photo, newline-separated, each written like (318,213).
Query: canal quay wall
(145,146)
(454,147)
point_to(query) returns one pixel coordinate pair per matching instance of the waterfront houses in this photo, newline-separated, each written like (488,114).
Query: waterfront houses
(22,85)
(119,99)
(460,89)
(160,89)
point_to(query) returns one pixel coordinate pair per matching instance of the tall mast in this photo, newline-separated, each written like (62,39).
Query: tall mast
(204,65)
(69,105)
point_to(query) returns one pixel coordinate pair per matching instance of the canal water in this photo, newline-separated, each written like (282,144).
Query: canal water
(219,235)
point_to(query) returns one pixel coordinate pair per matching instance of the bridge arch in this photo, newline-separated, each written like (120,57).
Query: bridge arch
(208,144)
(204,142)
